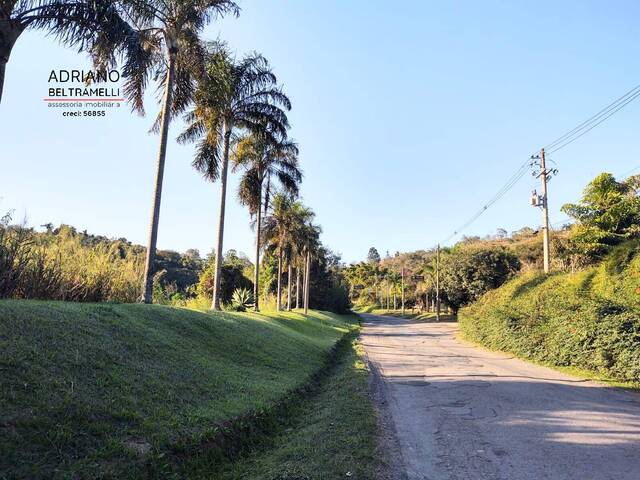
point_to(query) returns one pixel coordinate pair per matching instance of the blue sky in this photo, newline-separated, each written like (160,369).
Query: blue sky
(408,118)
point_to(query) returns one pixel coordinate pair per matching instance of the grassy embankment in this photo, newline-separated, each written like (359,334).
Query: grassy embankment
(588,321)
(136,391)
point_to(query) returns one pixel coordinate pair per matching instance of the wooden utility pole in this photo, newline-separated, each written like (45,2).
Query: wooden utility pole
(402,287)
(438,284)
(545,211)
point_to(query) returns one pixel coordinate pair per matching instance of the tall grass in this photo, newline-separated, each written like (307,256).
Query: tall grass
(63,264)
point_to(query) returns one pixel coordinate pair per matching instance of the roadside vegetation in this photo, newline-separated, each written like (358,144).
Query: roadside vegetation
(61,263)
(128,391)
(588,319)
(585,315)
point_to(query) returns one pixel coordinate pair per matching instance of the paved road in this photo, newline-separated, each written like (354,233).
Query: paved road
(454,411)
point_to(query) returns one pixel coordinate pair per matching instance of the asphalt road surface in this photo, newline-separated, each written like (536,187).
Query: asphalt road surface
(455,411)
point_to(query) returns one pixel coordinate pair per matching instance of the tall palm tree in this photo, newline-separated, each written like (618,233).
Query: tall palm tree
(311,235)
(297,239)
(261,157)
(231,95)
(276,227)
(159,40)
(288,231)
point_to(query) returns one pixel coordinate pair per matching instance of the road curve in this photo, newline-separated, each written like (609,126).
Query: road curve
(454,411)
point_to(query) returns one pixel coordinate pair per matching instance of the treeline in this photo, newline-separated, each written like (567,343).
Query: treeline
(235,113)
(62,263)
(607,215)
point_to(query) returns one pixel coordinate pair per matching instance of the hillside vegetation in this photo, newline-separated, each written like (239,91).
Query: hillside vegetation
(137,391)
(587,319)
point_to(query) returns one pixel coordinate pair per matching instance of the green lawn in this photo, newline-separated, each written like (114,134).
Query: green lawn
(131,391)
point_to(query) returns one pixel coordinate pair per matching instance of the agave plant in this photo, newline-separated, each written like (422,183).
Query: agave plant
(241,300)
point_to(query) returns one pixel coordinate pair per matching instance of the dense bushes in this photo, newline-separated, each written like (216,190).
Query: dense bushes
(588,319)
(468,273)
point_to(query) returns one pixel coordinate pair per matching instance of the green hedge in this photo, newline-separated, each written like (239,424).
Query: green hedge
(589,319)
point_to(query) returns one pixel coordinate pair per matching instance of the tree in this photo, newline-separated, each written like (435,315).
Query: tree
(287,231)
(231,95)
(233,267)
(373,256)
(155,40)
(466,274)
(608,213)
(261,157)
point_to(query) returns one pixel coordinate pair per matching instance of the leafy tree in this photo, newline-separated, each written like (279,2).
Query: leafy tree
(467,274)
(607,214)
(233,276)
(373,256)
(231,95)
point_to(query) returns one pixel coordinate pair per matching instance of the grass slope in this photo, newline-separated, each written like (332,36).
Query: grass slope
(589,320)
(332,434)
(113,391)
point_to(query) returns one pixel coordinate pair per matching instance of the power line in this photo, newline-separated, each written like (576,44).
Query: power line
(558,144)
(592,122)
(509,184)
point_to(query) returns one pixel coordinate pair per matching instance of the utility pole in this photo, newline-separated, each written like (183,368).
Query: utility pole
(438,284)
(402,287)
(545,211)
(543,202)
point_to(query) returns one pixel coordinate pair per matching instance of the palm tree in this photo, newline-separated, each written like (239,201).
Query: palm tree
(261,157)
(311,236)
(155,39)
(298,237)
(160,40)
(231,95)
(276,227)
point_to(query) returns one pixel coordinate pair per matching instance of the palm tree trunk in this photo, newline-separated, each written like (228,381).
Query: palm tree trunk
(256,275)
(267,194)
(215,303)
(3,67)
(279,299)
(9,33)
(289,275)
(306,289)
(304,278)
(298,286)
(147,282)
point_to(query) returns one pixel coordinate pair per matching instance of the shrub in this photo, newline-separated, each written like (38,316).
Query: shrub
(588,319)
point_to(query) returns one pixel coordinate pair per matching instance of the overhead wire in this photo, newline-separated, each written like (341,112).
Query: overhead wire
(556,145)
